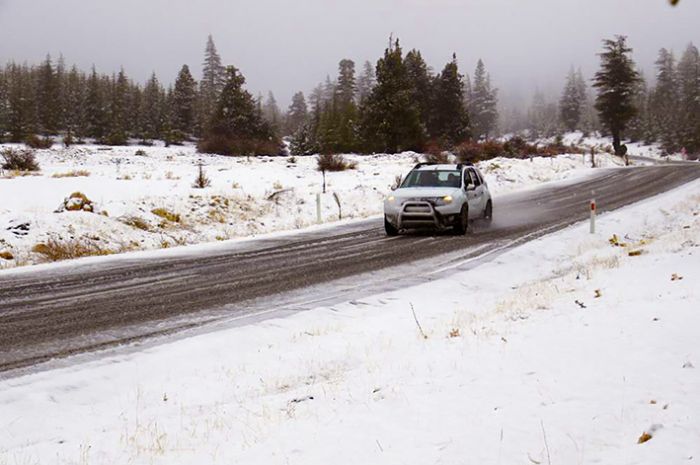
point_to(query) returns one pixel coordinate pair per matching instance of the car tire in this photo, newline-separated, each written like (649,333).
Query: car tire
(390,229)
(488,211)
(462,223)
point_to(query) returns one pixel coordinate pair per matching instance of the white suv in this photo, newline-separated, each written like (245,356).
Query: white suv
(438,197)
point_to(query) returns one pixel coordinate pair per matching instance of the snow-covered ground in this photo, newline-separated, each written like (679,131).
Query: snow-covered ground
(247,196)
(563,351)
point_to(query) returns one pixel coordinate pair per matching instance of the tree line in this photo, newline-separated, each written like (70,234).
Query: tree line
(397,104)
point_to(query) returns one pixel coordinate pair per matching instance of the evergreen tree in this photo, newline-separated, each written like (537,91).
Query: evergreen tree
(365,83)
(346,87)
(184,102)
(689,85)
(236,126)
(640,124)
(344,111)
(542,116)
(4,104)
(664,100)
(272,114)
(448,119)
(75,105)
(616,82)
(211,85)
(483,102)
(47,98)
(420,79)
(118,113)
(297,114)
(391,120)
(152,109)
(95,107)
(572,101)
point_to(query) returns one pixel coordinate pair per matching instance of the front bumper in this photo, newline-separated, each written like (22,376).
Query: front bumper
(421,214)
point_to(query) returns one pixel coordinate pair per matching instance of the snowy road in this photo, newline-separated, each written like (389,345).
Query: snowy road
(58,311)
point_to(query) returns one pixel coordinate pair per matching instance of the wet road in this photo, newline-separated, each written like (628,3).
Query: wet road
(56,312)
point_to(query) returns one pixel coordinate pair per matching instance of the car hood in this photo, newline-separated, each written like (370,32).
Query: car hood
(421,192)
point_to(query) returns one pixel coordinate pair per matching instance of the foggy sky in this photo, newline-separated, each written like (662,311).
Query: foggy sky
(290,45)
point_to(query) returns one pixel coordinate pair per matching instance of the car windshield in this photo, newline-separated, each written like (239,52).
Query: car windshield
(432,178)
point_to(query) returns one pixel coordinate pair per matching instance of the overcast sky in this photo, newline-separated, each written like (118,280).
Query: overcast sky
(290,45)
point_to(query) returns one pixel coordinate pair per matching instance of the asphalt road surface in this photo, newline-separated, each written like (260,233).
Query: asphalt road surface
(51,313)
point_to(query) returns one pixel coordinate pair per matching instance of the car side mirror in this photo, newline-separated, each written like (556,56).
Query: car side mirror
(470,187)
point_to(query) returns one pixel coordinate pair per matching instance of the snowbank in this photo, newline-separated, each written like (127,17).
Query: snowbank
(144,196)
(565,350)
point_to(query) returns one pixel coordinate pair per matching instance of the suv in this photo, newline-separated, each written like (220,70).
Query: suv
(438,196)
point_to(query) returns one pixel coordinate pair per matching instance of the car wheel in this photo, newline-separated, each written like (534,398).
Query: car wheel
(488,211)
(462,223)
(389,228)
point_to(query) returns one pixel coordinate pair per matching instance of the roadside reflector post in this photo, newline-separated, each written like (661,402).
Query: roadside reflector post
(592,216)
(318,208)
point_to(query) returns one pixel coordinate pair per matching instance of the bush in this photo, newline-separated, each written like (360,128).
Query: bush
(77,201)
(36,142)
(19,160)
(435,154)
(68,140)
(140,153)
(201,181)
(334,162)
(116,138)
(231,146)
(517,147)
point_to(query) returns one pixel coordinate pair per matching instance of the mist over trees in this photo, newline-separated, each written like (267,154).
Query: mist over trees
(394,104)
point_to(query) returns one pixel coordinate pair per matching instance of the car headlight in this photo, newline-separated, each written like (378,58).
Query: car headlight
(446,200)
(391,199)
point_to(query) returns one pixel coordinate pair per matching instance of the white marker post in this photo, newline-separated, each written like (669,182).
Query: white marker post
(318,208)
(592,216)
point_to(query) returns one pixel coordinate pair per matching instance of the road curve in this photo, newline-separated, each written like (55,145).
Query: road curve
(52,313)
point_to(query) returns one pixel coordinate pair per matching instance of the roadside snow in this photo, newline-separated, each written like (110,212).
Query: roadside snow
(247,196)
(520,363)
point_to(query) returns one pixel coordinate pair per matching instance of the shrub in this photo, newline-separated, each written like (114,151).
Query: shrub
(6,255)
(166,215)
(55,249)
(19,160)
(201,181)
(517,147)
(78,201)
(140,153)
(228,145)
(68,140)
(36,142)
(435,154)
(334,162)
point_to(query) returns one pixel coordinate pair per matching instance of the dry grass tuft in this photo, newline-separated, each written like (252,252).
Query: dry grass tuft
(334,162)
(166,215)
(72,174)
(6,255)
(56,250)
(138,223)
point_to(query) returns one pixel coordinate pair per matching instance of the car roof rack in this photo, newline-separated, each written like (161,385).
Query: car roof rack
(432,163)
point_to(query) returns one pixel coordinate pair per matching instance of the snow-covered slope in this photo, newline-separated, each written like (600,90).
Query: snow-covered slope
(565,350)
(147,201)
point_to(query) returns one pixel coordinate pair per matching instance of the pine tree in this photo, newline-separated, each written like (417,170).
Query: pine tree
(184,102)
(542,117)
(297,114)
(152,109)
(449,121)
(391,120)
(75,105)
(664,100)
(420,79)
(47,98)
(572,101)
(344,116)
(211,85)
(639,126)
(616,82)
(483,102)
(95,107)
(365,83)
(119,110)
(689,86)
(272,114)
(4,105)
(236,126)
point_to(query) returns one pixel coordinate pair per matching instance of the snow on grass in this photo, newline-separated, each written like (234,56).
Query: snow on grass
(564,350)
(247,196)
